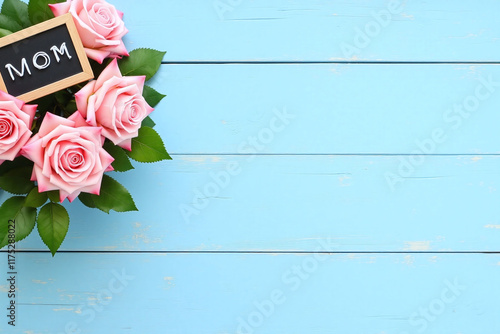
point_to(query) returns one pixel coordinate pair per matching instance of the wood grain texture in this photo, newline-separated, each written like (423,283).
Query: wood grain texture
(85,73)
(210,293)
(334,109)
(315,30)
(372,209)
(288,203)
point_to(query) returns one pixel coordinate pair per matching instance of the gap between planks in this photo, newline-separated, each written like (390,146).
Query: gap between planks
(343,154)
(257,62)
(255,252)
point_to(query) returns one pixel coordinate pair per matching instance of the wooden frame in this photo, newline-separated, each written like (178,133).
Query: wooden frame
(86,73)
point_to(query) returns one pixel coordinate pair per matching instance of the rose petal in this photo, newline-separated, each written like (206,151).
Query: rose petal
(82,96)
(112,70)
(77,119)
(68,157)
(60,8)
(51,121)
(97,55)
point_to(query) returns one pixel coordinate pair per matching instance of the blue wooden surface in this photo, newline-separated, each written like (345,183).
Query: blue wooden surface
(317,30)
(304,197)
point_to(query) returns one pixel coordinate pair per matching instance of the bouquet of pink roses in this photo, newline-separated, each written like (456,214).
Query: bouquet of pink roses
(60,146)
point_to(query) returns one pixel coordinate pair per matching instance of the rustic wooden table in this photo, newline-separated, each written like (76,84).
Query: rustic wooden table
(336,169)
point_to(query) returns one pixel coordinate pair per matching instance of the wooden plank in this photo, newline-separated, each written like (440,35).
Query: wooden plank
(322,294)
(334,109)
(315,30)
(287,203)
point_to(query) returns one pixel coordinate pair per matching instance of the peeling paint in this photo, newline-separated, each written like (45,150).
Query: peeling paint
(142,236)
(170,282)
(193,158)
(335,70)
(145,239)
(408,16)
(409,260)
(63,309)
(492,226)
(353,58)
(343,181)
(416,246)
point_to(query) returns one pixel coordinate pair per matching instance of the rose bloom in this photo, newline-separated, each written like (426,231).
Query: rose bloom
(99,25)
(16,119)
(115,103)
(68,156)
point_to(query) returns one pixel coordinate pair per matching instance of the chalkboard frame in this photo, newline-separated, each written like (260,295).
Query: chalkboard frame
(74,79)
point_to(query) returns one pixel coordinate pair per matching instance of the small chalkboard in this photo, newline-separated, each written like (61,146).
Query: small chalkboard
(43,59)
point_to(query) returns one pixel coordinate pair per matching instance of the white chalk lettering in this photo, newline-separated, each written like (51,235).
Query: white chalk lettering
(24,65)
(60,51)
(40,64)
(46,60)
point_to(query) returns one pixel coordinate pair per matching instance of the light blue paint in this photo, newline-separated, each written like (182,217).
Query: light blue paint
(315,30)
(348,109)
(290,202)
(317,182)
(208,293)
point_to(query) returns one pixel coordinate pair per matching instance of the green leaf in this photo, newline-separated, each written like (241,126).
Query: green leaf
(141,62)
(36,199)
(63,97)
(16,10)
(54,196)
(87,200)
(98,68)
(151,96)
(70,107)
(13,209)
(45,103)
(113,196)
(122,161)
(17,163)
(4,32)
(53,224)
(39,10)
(148,146)
(17,181)
(9,23)
(148,121)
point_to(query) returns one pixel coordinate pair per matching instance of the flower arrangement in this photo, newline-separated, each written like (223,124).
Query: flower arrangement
(63,145)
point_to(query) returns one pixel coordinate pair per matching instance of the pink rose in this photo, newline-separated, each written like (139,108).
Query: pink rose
(68,156)
(115,103)
(99,25)
(15,125)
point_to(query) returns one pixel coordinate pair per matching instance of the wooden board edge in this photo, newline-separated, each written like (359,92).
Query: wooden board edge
(77,43)
(54,87)
(86,74)
(36,29)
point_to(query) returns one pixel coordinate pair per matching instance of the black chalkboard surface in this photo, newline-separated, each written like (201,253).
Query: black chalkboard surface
(43,59)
